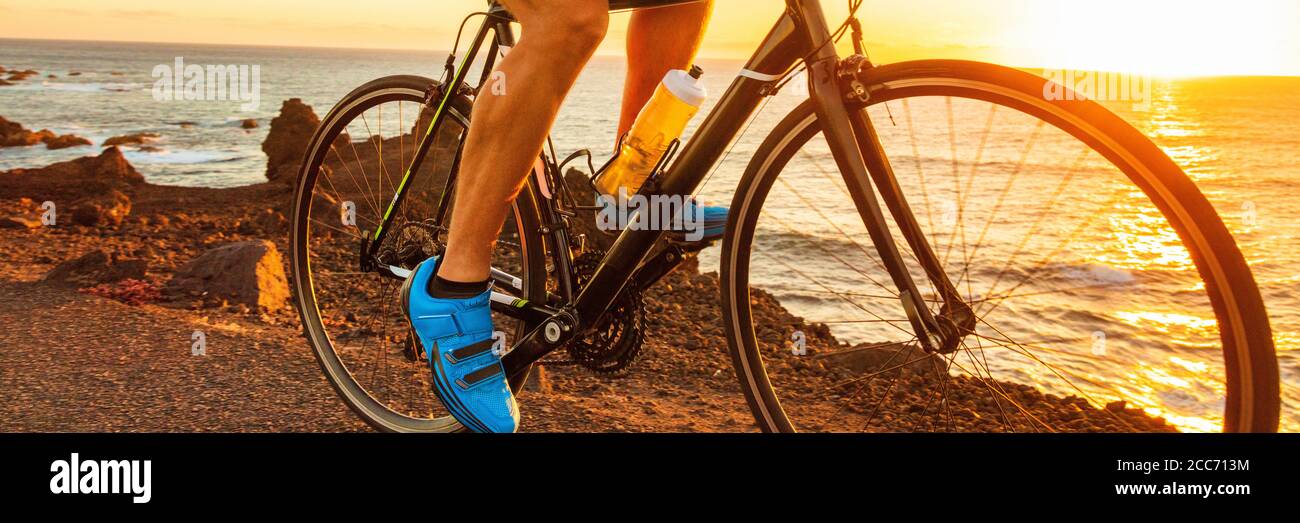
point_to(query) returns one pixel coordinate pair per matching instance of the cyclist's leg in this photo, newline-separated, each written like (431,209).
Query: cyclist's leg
(659,40)
(451,316)
(508,129)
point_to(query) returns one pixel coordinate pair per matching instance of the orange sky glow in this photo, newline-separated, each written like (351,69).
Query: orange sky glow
(1159,37)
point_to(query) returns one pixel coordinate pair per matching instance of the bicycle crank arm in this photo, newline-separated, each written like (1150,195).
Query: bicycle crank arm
(547,336)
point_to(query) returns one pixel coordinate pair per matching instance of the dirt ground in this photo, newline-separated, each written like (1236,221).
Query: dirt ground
(73,361)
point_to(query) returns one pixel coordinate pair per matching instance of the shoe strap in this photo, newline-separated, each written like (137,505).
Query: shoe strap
(479,376)
(443,323)
(469,351)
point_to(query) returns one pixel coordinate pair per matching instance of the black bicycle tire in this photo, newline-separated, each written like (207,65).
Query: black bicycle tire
(524,211)
(1253,401)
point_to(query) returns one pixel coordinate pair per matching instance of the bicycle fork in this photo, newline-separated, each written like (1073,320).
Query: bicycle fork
(849,132)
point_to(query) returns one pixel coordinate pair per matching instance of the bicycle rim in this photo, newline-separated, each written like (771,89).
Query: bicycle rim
(995,168)
(353,318)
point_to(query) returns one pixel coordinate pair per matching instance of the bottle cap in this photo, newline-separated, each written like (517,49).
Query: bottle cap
(696,72)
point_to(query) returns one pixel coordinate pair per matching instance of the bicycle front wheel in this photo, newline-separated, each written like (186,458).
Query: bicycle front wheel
(1108,292)
(363,154)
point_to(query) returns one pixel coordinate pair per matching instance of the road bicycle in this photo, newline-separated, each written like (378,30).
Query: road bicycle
(1017,245)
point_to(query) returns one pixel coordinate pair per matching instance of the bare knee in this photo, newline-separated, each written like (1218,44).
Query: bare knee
(577,26)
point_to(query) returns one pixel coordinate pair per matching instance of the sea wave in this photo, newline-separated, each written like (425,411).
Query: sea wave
(181,157)
(91,87)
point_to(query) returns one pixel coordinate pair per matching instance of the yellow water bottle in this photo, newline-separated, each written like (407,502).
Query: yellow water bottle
(662,120)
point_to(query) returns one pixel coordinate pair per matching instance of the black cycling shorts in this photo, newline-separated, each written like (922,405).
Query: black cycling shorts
(618,5)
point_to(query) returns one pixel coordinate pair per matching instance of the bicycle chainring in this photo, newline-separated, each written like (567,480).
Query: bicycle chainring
(614,344)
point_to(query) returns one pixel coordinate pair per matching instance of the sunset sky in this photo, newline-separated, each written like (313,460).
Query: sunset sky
(1165,37)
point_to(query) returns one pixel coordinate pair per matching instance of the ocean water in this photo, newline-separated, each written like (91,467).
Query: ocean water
(1237,137)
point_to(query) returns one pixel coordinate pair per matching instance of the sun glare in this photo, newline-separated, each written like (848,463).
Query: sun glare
(1170,38)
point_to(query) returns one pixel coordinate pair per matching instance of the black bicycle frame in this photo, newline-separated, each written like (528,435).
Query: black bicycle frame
(800,35)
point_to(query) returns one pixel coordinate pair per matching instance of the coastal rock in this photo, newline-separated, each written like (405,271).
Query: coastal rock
(110,164)
(251,273)
(4,83)
(290,133)
(585,222)
(886,359)
(66,141)
(104,210)
(109,167)
(269,222)
(13,134)
(18,76)
(250,123)
(18,222)
(7,127)
(95,268)
(72,180)
(131,139)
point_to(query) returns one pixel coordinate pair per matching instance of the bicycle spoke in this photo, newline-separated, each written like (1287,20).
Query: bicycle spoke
(840,296)
(1042,214)
(920,171)
(377,142)
(1059,374)
(823,249)
(1002,196)
(1051,255)
(348,168)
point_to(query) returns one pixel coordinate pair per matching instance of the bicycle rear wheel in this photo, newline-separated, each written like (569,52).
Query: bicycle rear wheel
(1095,266)
(352,315)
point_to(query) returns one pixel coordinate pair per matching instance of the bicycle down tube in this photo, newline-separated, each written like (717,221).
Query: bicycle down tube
(801,33)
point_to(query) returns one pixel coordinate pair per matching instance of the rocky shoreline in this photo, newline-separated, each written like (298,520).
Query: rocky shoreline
(128,270)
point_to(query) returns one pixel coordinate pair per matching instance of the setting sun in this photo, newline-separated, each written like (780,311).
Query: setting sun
(1167,37)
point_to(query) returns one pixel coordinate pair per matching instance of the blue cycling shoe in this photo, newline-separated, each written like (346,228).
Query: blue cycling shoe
(714,222)
(457,335)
